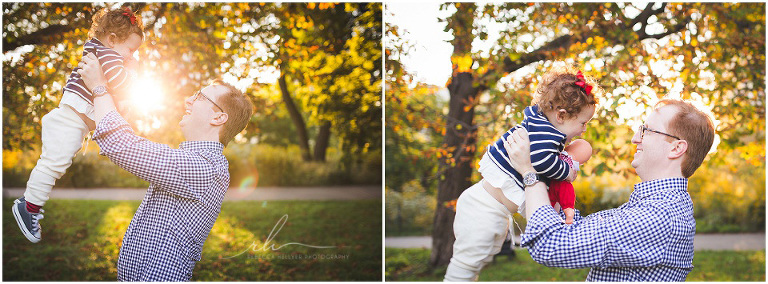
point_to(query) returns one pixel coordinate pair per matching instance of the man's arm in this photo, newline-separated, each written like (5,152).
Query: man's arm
(518,149)
(90,71)
(609,238)
(153,162)
(179,172)
(612,238)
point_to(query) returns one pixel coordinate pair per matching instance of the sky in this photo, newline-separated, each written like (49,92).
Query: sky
(430,59)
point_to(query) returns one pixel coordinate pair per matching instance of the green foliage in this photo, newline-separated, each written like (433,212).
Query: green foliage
(82,239)
(409,211)
(411,265)
(261,165)
(332,52)
(725,201)
(283,166)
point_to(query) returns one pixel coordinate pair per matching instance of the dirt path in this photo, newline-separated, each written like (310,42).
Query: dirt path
(259,193)
(749,241)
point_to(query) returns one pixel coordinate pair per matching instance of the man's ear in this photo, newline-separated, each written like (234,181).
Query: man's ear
(679,148)
(220,119)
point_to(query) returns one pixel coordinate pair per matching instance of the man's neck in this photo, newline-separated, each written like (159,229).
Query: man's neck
(661,176)
(212,135)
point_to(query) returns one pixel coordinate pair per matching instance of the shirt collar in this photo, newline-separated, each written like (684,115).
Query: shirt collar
(200,146)
(533,111)
(97,41)
(648,188)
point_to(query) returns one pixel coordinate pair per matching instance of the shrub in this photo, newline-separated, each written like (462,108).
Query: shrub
(249,165)
(410,210)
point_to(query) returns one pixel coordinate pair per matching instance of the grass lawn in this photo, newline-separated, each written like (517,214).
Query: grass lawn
(81,240)
(411,265)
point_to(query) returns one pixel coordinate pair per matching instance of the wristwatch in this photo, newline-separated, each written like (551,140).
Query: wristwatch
(99,91)
(530,178)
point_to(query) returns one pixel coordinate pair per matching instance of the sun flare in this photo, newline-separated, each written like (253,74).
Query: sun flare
(146,99)
(147,96)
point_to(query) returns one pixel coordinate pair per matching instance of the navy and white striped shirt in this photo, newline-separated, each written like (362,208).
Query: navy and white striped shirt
(111,65)
(546,144)
(649,238)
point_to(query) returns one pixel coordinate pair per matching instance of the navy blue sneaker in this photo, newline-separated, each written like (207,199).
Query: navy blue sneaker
(29,223)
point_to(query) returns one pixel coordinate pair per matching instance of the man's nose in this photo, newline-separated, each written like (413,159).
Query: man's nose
(636,139)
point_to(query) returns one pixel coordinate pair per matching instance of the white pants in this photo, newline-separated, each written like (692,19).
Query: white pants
(480,226)
(62,136)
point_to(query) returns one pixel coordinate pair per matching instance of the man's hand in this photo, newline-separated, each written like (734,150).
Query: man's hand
(518,147)
(93,76)
(91,71)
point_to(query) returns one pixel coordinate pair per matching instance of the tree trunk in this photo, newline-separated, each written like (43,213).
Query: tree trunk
(321,143)
(455,179)
(298,120)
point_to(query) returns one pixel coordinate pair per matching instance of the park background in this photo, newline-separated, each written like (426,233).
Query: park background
(459,75)
(313,71)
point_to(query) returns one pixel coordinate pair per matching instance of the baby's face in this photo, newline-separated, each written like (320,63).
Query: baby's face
(576,126)
(128,47)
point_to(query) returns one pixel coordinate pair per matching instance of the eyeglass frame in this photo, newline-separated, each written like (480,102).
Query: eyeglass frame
(644,128)
(200,92)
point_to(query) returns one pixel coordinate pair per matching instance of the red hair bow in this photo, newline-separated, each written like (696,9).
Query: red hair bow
(130,15)
(583,83)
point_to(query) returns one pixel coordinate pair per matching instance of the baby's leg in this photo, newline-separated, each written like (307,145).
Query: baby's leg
(62,137)
(480,227)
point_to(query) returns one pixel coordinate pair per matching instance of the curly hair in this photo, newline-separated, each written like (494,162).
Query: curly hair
(108,21)
(558,90)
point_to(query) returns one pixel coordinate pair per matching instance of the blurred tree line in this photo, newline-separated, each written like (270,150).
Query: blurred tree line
(712,53)
(325,60)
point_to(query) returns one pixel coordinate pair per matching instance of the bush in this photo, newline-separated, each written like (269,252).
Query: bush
(409,211)
(727,199)
(249,165)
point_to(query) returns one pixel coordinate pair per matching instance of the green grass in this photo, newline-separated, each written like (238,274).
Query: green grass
(411,265)
(81,240)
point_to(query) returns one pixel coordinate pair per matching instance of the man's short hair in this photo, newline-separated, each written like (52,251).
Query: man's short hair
(693,126)
(238,108)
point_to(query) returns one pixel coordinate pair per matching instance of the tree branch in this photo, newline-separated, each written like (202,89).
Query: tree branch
(48,34)
(680,26)
(542,53)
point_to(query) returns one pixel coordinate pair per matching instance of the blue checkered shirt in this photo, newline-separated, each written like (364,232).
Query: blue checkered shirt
(649,238)
(186,187)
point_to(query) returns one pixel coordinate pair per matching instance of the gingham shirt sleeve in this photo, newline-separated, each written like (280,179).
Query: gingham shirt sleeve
(633,237)
(168,169)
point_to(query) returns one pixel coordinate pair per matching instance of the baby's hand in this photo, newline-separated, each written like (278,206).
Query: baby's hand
(569,213)
(131,64)
(572,175)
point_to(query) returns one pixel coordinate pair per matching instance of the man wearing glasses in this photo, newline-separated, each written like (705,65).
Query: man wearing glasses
(187,185)
(649,238)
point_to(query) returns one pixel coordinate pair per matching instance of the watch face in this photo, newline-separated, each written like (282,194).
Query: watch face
(99,90)
(530,178)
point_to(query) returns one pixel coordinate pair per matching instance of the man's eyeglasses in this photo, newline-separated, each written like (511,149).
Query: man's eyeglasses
(199,93)
(642,129)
